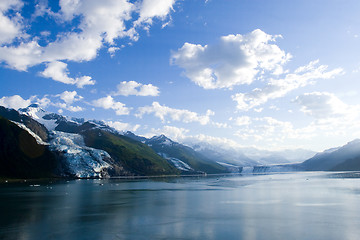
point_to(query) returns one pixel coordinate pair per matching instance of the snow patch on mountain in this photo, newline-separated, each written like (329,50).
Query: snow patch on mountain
(81,161)
(38,114)
(34,135)
(162,139)
(177,163)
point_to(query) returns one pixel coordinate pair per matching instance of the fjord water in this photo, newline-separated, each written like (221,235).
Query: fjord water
(270,206)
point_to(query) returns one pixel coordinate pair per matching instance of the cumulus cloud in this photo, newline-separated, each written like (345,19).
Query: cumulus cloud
(67,107)
(321,105)
(98,24)
(67,97)
(109,103)
(10,27)
(43,102)
(163,112)
(277,88)
(121,126)
(70,97)
(14,102)
(174,133)
(234,60)
(137,89)
(58,71)
(154,9)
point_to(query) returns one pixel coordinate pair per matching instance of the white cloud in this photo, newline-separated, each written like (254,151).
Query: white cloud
(277,88)
(43,102)
(235,60)
(112,50)
(220,142)
(186,116)
(243,121)
(75,108)
(10,27)
(17,101)
(174,133)
(58,71)
(69,98)
(138,89)
(121,126)
(150,9)
(321,105)
(109,103)
(68,107)
(267,130)
(181,135)
(14,102)
(331,126)
(220,125)
(100,24)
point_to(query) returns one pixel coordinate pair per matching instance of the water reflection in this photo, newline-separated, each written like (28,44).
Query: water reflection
(271,206)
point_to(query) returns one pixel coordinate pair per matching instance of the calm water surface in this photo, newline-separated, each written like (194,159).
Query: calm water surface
(272,206)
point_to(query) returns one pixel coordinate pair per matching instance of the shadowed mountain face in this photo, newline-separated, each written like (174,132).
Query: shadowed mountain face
(134,156)
(76,148)
(32,124)
(36,143)
(170,149)
(343,158)
(21,156)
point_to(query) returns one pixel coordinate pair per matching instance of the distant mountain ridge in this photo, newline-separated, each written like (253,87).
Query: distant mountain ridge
(91,148)
(345,158)
(178,152)
(82,148)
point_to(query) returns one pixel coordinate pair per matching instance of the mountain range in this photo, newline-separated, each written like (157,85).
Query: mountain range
(36,143)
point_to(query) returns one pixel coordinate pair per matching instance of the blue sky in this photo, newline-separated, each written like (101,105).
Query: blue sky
(269,74)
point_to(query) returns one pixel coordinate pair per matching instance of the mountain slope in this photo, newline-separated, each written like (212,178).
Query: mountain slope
(81,148)
(170,149)
(335,159)
(133,155)
(36,127)
(348,165)
(21,156)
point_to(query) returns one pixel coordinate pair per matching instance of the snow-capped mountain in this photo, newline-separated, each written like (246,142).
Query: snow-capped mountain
(183,157)
(86,148)
(49,120)
(161,140)
(90,148)
(54,121)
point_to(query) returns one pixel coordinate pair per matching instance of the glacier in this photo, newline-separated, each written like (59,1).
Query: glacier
(81,161)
